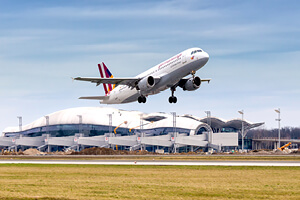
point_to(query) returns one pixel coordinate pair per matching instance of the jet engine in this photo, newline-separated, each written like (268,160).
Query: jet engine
(192,84)
(146,83)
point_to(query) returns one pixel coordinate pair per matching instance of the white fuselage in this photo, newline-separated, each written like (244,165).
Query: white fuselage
(168,72)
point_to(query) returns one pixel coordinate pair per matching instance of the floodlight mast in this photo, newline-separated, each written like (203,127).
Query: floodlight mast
(278,111)
(174,129)
(141,122)
(20,123)
(208,117)
(242,113)
(80,123)
(110,123)
(208,121)
(47,124)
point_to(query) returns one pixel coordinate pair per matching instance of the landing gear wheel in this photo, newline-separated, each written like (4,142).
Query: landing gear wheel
(172,99)
(142,99)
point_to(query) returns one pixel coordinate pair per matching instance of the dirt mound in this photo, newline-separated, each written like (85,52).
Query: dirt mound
(32,152)
(142,152)
(6,152)
(296,151)
(96,151)
(108,151)
(260,151)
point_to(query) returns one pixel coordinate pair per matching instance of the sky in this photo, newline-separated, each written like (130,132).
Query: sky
(254,49)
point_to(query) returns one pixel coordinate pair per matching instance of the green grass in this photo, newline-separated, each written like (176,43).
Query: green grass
(33,181)
(164,157)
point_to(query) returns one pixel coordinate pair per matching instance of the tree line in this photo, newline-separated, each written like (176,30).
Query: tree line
(285,133)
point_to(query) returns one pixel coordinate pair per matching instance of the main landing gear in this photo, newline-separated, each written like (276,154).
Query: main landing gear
(142,99)
(172,99)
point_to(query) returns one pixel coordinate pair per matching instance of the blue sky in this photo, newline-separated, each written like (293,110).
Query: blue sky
(254,49)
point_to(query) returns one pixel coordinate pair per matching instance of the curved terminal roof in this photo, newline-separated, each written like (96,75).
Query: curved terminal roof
(218,123)
(121,118)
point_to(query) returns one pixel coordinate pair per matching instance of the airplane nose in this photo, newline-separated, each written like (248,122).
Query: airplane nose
(205,56)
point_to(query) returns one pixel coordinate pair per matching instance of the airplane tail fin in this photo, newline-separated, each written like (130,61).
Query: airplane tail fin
(105,73)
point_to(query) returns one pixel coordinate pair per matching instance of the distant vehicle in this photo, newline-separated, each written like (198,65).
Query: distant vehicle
(168,74)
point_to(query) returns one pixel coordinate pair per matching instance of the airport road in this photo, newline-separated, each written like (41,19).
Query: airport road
(157,163)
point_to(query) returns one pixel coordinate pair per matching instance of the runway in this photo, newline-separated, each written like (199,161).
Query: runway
(157,163)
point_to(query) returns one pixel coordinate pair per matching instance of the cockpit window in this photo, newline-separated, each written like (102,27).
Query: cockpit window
(193,52)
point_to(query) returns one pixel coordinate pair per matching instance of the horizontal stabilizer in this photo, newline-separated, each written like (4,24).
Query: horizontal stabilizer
(95,98)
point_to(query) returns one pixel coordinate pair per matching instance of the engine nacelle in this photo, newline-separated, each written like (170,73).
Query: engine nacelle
(192,84)
(146,83)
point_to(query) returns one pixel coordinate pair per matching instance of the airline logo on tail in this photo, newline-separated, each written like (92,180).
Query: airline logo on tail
(105,73)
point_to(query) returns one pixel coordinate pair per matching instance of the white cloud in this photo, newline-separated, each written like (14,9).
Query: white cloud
(147,10)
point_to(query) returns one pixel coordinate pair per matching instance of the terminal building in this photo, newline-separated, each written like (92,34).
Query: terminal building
(83,127)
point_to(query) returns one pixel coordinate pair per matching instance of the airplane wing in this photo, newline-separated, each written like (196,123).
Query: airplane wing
(132,82)
(184,80)
(118,81)
(206,80)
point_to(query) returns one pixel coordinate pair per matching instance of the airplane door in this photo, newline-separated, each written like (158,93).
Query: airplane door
(183,59)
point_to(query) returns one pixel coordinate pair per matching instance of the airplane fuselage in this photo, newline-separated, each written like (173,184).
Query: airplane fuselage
(168,73)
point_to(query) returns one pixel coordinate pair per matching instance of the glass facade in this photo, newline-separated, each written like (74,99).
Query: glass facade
(89,130)
(229,129)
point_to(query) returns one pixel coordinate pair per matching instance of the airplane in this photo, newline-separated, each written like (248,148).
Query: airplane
(168,74)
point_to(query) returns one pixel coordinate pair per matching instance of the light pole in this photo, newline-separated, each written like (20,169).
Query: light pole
(174,121)
(174,129)
(242,113)
(278,111)
(141,122)
(141,130)
(47,130)
(208,114)
(20,123)
(110,123)
(208,121)
(80,123)
(47,124)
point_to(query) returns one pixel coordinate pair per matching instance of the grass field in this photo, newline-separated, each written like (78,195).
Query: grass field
(295,157)
(31,181)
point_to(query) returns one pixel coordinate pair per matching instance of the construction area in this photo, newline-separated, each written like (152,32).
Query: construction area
(170,143)
(284,150)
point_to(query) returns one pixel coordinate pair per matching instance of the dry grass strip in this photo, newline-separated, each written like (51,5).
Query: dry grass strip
(30,181)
